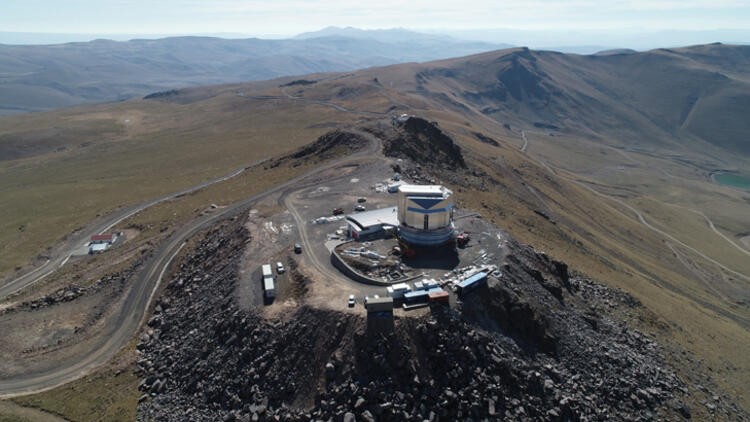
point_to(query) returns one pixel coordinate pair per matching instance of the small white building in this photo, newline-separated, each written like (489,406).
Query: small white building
(101,242)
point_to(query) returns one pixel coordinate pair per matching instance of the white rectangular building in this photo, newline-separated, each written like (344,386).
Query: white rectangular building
(370,222)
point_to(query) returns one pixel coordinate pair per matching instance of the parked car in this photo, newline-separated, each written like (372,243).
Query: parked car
(352,301)
(361,200)
(297,248)
(359,208)
(338,211)
(280,268)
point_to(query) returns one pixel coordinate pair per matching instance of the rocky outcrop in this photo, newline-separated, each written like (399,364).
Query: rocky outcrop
(162,94)
(425,143)
(329,145)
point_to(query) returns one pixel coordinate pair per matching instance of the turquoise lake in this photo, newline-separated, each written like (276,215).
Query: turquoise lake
(733,180)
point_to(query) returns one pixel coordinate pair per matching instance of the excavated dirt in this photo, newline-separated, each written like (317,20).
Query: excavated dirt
(536,344)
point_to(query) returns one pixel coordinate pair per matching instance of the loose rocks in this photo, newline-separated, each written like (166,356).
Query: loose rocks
(524,349)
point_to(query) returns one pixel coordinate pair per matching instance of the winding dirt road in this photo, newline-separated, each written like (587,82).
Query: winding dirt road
(124,323)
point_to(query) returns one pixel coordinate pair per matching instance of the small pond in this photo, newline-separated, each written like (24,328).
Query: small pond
(732,179)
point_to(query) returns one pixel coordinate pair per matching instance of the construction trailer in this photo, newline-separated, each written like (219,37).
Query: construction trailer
(471,283)
(417,296)
(438,296)
(269,288)
(426,284)
(397,291)
(379,314)
(379,304)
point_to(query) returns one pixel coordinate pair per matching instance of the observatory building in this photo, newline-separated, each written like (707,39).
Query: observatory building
(425,215)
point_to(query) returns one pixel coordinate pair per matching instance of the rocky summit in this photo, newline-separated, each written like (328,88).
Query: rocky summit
(535,345)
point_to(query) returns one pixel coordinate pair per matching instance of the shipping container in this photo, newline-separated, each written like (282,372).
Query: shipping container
(397,290)
(430,283)
(269,288)
(472,282)
(266,270)
(416,296)
(439,296)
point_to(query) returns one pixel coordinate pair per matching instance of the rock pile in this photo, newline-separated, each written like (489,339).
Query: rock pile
(527,348)
(74,291)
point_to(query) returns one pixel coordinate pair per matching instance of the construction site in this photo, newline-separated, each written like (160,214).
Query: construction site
(413,249)
(390,244)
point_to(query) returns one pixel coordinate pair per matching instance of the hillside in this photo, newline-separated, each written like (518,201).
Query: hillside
(42,77)
(660,97)
(601,162)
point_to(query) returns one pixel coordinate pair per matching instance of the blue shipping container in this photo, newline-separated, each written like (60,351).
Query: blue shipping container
(472,282)
(416,296)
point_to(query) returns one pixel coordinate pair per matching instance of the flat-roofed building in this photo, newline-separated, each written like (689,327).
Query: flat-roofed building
(369,223)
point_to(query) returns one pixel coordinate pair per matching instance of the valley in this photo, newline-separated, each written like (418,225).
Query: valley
(620,191)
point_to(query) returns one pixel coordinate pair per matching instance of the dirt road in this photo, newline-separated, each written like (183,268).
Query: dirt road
(125,322)
(62,253)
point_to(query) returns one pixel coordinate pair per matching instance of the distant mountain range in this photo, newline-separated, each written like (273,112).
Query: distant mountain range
(42,77)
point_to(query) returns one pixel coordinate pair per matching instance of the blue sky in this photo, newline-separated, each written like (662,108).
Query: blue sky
(288,17)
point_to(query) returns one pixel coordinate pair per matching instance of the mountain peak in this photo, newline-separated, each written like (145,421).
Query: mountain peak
(382,35)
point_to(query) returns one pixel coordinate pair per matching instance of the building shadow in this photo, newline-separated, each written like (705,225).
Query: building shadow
(443,258)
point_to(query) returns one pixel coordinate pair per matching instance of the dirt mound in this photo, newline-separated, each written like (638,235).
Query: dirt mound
(530,347)
(425,143)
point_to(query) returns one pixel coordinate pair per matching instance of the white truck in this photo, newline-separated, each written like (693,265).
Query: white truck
(269,289)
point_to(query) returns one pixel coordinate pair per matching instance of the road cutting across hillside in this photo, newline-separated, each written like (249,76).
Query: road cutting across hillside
(122,326)
(62,253)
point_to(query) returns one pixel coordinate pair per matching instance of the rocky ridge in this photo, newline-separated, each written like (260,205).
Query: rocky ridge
(331,144)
